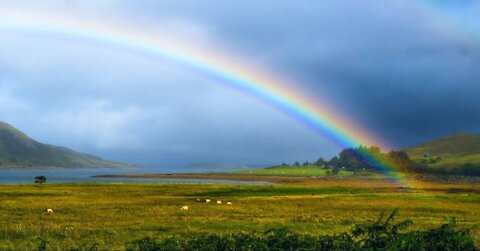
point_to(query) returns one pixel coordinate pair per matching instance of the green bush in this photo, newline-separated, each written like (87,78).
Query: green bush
(382,234)
(40,179)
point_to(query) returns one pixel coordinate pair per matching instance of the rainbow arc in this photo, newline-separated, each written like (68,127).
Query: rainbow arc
(226,68)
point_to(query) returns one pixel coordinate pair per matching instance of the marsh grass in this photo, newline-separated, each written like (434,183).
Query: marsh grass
(108,216)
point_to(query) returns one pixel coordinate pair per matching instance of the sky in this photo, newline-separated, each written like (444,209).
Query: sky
(404,71)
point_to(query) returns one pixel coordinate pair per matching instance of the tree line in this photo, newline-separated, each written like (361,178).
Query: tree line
(364,158)
(371,158)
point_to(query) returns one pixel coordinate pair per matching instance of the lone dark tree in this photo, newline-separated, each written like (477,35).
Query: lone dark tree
(40,179)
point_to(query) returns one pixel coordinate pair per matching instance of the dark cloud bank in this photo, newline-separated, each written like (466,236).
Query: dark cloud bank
(390,67)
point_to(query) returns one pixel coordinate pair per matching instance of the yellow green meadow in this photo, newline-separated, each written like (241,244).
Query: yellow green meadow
(113,215)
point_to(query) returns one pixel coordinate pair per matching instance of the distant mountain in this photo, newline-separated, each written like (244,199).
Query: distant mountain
(448,152)
(19,151)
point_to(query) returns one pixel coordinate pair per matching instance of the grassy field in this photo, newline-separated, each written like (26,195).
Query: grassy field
(291,171)
(112,215)
(304,171)
(449,152)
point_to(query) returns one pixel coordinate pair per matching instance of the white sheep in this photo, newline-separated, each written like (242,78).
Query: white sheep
(229,203)
(185,208)
(219,202)
(50,211)
(207,200)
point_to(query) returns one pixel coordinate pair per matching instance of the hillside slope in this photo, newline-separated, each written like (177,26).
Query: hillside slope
(17,150)
(448,152)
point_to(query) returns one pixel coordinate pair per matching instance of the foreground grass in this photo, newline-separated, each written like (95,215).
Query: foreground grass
(383,234)
(112,215)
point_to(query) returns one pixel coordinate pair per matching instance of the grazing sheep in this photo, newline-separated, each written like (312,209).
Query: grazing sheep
(229,203)
(207,200)
(219,202)
(50,211)
(198,200)
(185,208)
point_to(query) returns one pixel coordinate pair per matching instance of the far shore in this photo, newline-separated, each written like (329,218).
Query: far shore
(299,180)
(417,182)
(37,168)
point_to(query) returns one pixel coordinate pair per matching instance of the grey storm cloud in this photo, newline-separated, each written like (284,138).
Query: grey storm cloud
(391,67)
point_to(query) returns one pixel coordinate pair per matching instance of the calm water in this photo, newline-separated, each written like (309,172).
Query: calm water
(85,175)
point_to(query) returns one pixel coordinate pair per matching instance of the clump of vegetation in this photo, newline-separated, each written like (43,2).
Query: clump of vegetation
(382,234)
(42,246)
(467,169)
(40,179)
(371,158)
(364,158)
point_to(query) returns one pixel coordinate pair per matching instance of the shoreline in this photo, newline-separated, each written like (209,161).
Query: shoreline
(63,168)
(419,182)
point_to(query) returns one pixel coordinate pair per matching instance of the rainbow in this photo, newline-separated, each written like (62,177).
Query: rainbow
(226,68)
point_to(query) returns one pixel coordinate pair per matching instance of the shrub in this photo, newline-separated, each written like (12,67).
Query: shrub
(382,234)
(42,246)
(40,179)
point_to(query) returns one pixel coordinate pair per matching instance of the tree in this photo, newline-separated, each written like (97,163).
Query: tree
(371,158)
(353,159)
(40,179)
(335,170)
(335,162)
(320,162)
(401,161)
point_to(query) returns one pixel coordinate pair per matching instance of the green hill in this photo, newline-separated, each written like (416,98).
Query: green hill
(449,152)
(18,151)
